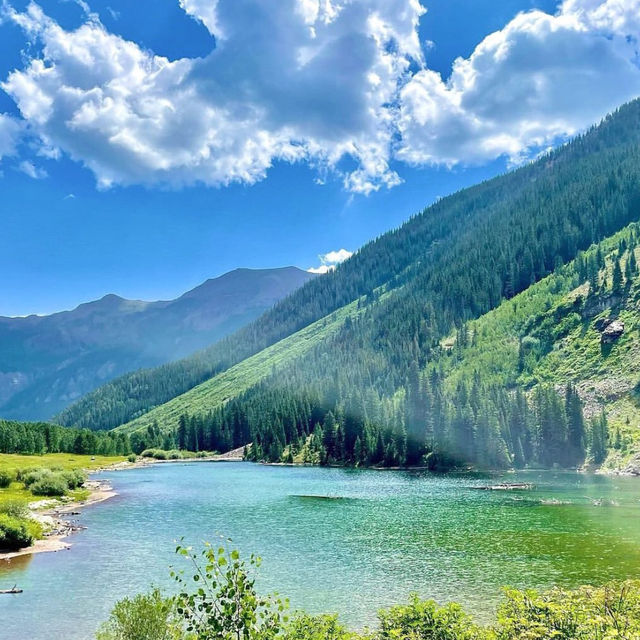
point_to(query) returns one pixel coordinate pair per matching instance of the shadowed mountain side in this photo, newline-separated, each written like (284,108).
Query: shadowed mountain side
(47,362)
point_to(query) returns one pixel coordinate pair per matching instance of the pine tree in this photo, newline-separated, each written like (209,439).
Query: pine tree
(617,279)
(599,438)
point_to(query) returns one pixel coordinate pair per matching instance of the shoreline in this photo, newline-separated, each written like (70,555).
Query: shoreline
(51,514)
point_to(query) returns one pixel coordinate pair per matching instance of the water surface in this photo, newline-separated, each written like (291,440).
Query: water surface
(391,533)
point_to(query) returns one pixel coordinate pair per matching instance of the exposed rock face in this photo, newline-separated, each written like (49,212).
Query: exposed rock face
(610,328)
(633,467)
(612,331)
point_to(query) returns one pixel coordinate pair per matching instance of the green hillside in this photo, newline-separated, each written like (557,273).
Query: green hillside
(552,333)
(455,261)
(237,379)
(381,386)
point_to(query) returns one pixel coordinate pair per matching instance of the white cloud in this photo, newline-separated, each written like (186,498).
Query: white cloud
(27,167)
(293,80)
(330,259)
(335,257)
(10,130)
(318,81)
(540,78)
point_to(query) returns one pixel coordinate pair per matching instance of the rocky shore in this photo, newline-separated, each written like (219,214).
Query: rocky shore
(54,517)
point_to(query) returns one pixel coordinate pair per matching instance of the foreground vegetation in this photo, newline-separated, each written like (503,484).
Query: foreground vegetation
(218,600)
(25,478)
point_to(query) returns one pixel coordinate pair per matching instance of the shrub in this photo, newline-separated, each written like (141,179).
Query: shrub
(32,476)
(14,533)
(75,478)
(54,484)
(306,627)
(14,508)
(144,617)
(425,619)
(132,457)
(201,454)
(159,454)
(6,478)
(188,454)
(612,611)
(22,473)
(174,454)
(222,602)
(148,453)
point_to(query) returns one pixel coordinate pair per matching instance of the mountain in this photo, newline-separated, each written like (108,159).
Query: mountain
(353,363)
(47,362)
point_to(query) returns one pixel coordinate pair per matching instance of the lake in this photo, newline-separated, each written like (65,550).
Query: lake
(390,533)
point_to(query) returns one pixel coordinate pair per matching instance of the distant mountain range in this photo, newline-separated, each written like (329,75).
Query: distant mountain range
(47,362)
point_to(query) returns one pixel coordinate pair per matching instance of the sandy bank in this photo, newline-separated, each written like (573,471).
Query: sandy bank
(52,515)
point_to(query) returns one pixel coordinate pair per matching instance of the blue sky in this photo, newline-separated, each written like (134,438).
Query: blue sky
(146,146)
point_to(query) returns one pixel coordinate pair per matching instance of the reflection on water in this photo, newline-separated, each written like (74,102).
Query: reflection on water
(14,566)
(349,541)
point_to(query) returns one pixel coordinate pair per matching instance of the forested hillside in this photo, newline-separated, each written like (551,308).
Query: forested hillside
(524,384)
(452,263)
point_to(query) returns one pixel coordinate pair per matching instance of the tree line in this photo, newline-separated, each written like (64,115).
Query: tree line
(43,437)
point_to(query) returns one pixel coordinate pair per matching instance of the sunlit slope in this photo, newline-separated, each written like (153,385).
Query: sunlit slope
(454,262)
(552,333)
(242,376)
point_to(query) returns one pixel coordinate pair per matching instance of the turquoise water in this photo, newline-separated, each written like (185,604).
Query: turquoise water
(391,533)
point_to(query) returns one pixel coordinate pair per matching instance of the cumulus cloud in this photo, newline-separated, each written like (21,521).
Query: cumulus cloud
(333,83)
(10,130)
(293,80)
(540,78)
(27,167)
(330,260)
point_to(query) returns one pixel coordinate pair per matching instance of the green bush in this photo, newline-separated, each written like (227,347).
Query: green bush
(608,612)
(144,617)
(132,457)
(15,533)
(31,476)
(22,473)
(53,484)
(424,619)
(174,454)
(219,599)
(306,627)
(157,454)
(15,508)
(75,478)
(6,478)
